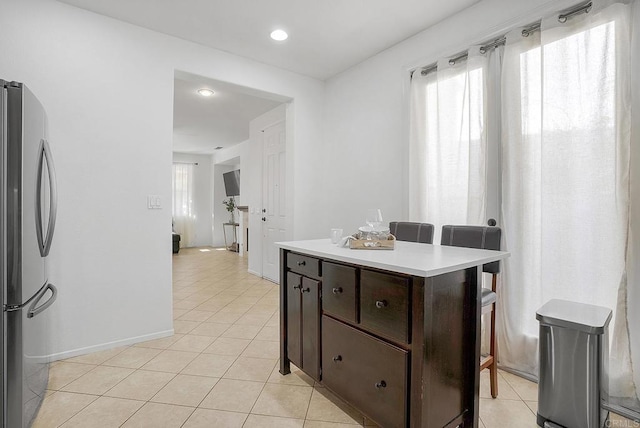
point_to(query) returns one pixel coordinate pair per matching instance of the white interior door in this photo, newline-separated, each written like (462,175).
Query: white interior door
(273,198)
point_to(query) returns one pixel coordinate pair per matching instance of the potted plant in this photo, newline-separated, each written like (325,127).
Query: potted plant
(231,207)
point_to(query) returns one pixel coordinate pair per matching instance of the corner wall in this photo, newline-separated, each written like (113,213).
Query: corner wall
(108,89)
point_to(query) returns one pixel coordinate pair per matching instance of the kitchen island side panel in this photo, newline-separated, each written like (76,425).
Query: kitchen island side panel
(284,356)
(451,352)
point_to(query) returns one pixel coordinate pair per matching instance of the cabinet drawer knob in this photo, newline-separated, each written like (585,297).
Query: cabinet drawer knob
(302,263)
(337,358)
(296,287)
(381,384)
(306,290)
(381,304)
(337,290)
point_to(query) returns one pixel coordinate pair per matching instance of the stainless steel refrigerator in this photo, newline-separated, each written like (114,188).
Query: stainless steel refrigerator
(28,215)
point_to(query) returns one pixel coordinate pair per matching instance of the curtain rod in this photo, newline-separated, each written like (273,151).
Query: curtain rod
(186,163)
(500,41)
(584,8)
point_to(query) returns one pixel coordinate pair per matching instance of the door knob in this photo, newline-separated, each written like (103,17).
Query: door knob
(337,290)
(264,210)
(381,304)
(337,358)
(381,384)
(264,219)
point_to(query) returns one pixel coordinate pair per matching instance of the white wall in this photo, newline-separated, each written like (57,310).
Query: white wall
(202,197)
(108,89)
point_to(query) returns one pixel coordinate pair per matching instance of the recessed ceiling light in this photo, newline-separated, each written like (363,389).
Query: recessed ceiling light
(205,92)
(279,35)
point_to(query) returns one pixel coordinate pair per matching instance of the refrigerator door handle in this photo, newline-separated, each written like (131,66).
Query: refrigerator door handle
(44,156)
(21,306)
(34,309)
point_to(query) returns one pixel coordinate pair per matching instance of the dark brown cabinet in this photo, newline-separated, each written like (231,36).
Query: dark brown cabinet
(393,345)
(303,318)
(364,325)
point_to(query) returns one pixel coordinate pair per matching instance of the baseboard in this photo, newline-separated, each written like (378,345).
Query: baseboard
(252,272)
(109,345)
(524,375)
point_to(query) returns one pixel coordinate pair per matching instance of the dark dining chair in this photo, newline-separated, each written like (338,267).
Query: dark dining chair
(412,232)
(486,238)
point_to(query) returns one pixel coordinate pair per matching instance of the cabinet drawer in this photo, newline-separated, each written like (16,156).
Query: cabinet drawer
(339,291)
(367,372)
(384,304)
(304,265)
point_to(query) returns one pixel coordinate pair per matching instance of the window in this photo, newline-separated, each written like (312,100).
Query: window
(563,105)
(449,144)
(184,218)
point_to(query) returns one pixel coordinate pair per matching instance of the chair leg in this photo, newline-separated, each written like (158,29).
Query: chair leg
(493,368)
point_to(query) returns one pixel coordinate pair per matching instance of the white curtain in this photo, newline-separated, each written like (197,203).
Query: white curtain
(633,254)
(448,143)
(565,179)
(184,214)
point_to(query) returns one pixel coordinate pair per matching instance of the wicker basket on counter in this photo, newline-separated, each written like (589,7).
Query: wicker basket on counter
(373,244)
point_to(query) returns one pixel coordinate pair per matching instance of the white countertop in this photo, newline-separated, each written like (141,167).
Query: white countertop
(408,257)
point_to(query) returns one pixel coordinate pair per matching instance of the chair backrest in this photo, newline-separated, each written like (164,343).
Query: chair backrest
(412,232)
(483,237)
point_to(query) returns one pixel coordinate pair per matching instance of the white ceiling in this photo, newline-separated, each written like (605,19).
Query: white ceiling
(325,36)
(202,123)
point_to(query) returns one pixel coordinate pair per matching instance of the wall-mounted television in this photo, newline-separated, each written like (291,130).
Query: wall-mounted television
(232,182)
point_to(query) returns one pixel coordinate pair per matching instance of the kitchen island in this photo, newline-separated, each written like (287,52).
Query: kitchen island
(394,333)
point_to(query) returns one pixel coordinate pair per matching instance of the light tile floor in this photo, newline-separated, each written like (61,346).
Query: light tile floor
(219,369)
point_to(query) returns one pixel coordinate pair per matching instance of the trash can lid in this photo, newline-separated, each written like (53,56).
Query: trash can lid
(590,319)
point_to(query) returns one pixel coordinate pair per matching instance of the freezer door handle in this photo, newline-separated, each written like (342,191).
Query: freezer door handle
(44,157)
(34,309)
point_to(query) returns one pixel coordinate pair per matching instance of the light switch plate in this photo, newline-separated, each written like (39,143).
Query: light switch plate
(154,202)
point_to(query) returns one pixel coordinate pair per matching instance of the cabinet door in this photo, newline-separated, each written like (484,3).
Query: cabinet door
(294,318)
(311,327)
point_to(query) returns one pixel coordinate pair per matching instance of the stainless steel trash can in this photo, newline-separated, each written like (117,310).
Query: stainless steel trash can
(574,360)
